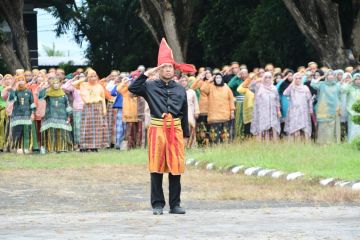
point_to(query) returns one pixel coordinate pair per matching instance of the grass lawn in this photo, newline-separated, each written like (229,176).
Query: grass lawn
(341,161)
(71,160)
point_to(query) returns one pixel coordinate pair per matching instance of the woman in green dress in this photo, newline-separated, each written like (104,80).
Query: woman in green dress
(55,125)
(23,137)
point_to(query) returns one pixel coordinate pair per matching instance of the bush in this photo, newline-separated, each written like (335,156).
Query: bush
(356,143)
(356,108)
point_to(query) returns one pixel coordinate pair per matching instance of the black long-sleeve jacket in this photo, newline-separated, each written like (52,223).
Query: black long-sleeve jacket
(163,97)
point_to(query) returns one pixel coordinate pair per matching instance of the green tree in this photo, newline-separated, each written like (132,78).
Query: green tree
(52,52)
(117,37)
(254,33)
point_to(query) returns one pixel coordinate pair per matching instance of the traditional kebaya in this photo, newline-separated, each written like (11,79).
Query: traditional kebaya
(55,125)
(94,128)
(23,134)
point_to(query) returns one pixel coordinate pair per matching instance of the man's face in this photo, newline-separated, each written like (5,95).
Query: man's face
(28,76)
(235,68)
(167,72)
(313,67)
(269,68)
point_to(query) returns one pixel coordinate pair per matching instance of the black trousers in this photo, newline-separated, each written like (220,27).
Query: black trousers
(157,194)
(247,130)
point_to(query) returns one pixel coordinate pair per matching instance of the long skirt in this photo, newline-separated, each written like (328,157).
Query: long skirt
(37,124)
(57,140)
(329,132)
(76,125)
(94,129)
(202,131)
(24,137)
(3,120)
(133,134)
(192,137)
(220,133)
(120,128)
(353,130)
(166,148)
(111,120)
(247,130)
(344,131)
(239,120)
(8,138)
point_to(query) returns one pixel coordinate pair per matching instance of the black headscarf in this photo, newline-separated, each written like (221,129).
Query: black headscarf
(285,84)
(222,80)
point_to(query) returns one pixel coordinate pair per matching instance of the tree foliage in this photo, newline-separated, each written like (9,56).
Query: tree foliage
(52,51)
(356,108)
(253,32)
(117,37)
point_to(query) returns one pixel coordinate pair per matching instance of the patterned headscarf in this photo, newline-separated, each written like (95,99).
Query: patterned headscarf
(330,82)
(265,79)
(356,75)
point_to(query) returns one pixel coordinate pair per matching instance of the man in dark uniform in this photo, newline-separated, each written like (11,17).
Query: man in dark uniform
(168,129)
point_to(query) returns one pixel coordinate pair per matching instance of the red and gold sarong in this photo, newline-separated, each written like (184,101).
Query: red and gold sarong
(166,146)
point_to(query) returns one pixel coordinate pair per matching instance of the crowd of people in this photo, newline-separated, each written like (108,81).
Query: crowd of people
(51,111)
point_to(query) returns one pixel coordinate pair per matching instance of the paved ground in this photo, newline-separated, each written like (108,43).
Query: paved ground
(270,223)
(113,203)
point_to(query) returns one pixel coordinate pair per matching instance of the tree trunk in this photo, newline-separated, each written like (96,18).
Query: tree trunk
(323,31)
(12,11)
(355,35)
(9,56)
(170,29)
(177,36)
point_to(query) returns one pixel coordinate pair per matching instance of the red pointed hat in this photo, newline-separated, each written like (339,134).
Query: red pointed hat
(166,56)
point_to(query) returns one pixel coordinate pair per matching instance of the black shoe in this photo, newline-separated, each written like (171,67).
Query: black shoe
(177,210)
(157,211)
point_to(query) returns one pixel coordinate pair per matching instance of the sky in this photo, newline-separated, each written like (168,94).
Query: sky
(47,36)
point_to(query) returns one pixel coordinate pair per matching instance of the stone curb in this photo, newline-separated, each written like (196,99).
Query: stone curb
(273,173)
